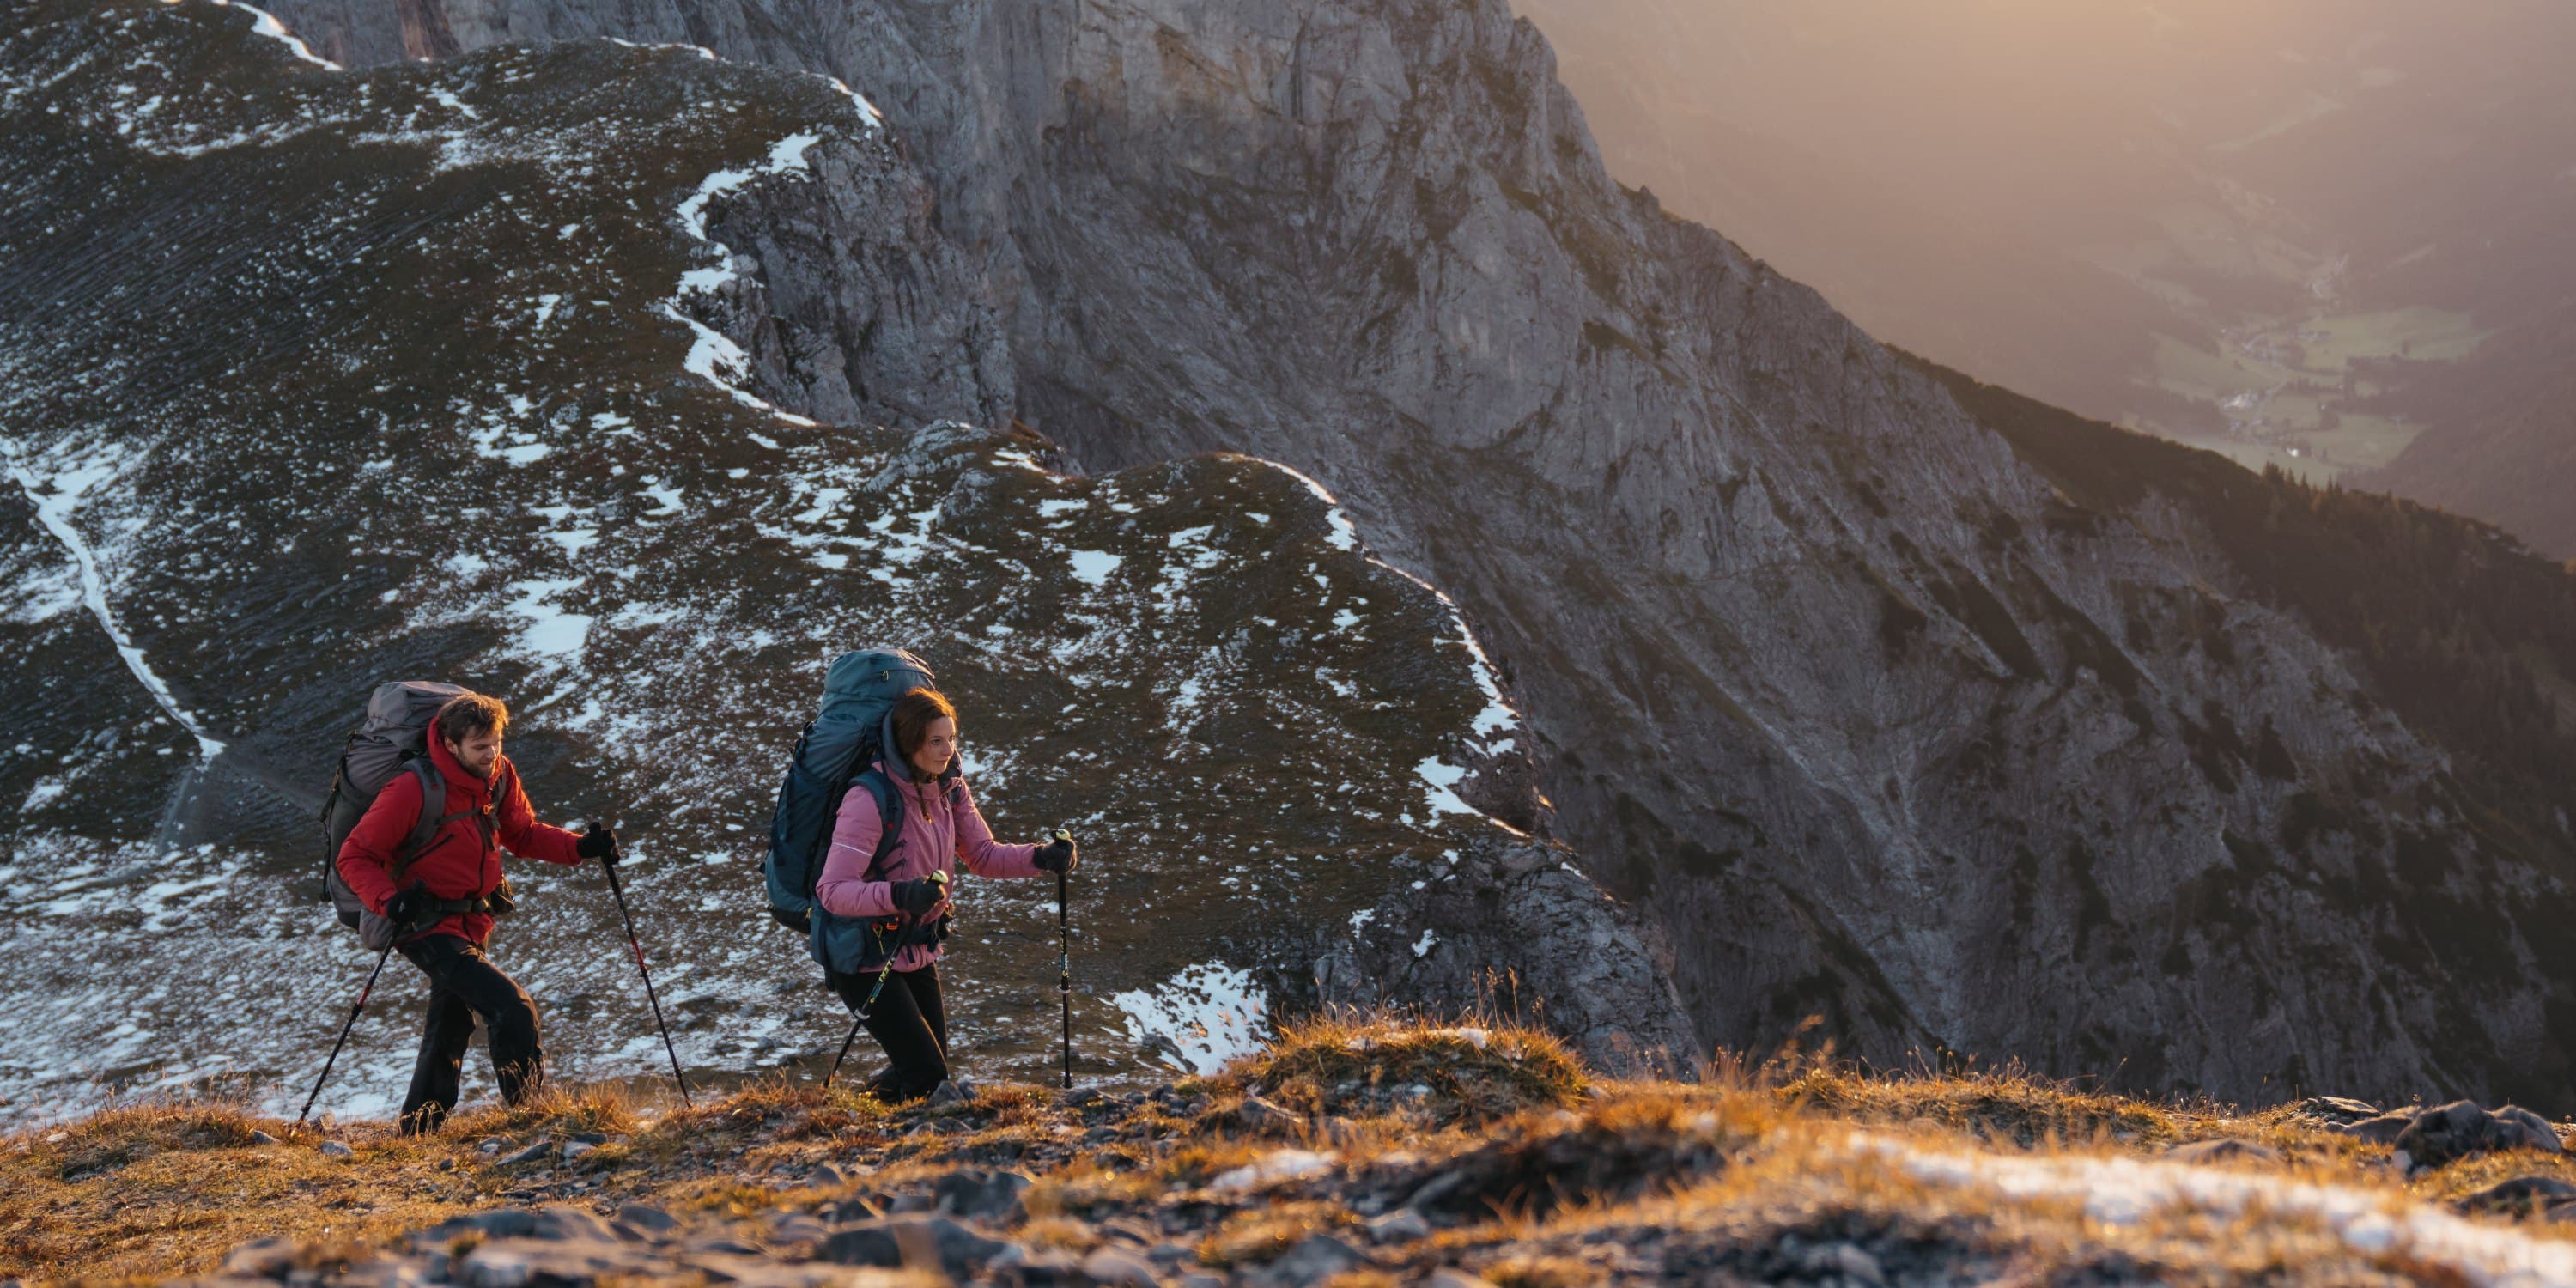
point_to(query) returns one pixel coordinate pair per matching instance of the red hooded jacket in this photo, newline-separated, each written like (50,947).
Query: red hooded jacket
(457,863)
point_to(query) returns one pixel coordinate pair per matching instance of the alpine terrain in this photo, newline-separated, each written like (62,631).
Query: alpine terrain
(315,378)
(549,362)
(1872,717)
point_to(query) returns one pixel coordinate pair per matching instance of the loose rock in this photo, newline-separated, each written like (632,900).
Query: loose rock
(1452,1277)
(898,1241)
(542,1151)
(2336,1110)
(2383,1130)
(2460,1129)
(1263,1116)
(1400,1226)
(1119,1268)
(644,1218)
(336,1149)
(1310,1260)
(982,1194)
(2520,1196)
(2223,1150)
(260,1259)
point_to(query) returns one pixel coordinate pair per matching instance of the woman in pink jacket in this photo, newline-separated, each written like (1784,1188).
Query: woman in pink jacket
(906,897)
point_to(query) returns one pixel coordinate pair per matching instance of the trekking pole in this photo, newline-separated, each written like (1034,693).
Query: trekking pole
(344,1034)
(1064,964)
(637,947)
(857,1018)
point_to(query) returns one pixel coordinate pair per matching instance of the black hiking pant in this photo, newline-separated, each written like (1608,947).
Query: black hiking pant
(909,1023)
(464,984)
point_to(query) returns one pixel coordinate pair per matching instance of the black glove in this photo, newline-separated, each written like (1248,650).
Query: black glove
(1056,855)
(915,898)
(411,908)
(598,843)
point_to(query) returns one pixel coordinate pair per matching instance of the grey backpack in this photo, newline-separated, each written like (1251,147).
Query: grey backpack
(392,740)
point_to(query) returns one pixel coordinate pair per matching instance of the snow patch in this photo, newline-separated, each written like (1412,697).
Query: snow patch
(266,24)
(550,631)
(44,594)
(1092,567)
(1443,779)
(1205,1016)
(56,500)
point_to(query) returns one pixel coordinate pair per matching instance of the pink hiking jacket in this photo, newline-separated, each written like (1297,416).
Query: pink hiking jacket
(943,824)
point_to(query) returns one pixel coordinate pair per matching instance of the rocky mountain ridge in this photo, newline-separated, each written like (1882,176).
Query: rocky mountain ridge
(314,378)
(1876,720)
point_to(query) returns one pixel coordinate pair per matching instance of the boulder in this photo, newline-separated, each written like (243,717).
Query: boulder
(267,1258)
(2382,1130)
(916,1241)
(1265,1117)
(645,1219)
(552,1263)
(560,1222)
(2336,1110)
(1113,1267)
(982,1195)
(1526,906)
(2446,1133)
(1310,1260)
(498,1223)
(2521,1196)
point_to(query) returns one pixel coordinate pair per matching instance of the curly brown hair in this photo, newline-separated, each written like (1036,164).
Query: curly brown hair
(468,714)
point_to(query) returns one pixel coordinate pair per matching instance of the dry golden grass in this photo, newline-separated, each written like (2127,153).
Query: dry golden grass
(2005,1106)
(1475,1070)
(1261,1233)
(1743,1172)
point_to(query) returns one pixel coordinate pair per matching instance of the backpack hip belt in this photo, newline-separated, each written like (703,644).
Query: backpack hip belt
(500,903)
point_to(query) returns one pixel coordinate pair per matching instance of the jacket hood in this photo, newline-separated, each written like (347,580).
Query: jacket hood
(458,775)
(885,765)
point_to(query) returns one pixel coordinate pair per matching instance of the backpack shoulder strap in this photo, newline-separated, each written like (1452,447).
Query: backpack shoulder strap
(433,795)
(890,810)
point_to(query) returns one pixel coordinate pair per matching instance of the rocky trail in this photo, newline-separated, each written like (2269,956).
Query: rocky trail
(1351,1152)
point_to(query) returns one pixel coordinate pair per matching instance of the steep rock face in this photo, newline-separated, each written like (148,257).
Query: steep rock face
(1516,928)
(1873,719)
(312,378)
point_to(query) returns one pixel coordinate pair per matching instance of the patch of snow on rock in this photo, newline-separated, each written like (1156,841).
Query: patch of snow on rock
(1205,1016)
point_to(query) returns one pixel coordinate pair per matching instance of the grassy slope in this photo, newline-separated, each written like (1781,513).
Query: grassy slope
(1561,1175)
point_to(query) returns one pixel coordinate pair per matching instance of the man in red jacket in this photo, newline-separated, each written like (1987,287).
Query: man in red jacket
(441,899)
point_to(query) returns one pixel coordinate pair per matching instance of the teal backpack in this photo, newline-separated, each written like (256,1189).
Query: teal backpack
(834,753)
